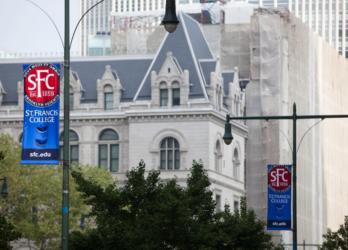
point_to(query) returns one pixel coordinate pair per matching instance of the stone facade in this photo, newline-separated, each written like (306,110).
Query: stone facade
(169,116)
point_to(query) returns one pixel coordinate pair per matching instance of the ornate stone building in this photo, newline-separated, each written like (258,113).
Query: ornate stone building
(168,109)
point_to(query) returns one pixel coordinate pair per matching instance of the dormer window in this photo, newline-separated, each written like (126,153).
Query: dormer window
(176,94)
(163,94)
(108,97)
(109,89)
(170,86)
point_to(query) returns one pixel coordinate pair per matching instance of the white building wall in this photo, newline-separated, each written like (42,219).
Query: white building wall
(145,135)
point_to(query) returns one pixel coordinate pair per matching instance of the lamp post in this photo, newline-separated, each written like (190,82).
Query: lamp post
(66,157)
(294,117)
(170,22)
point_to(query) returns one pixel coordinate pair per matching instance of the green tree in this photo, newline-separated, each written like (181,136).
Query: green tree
(7,233)
(149,213)
(241,230)
(337,240)
(33,205)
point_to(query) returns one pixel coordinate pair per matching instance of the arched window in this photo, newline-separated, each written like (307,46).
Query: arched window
(170,154)
(108,97)
(163,94)
(236,164)
(108,157)
(73,144)
(218,157)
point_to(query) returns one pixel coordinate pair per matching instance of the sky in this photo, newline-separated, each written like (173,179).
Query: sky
(26,29)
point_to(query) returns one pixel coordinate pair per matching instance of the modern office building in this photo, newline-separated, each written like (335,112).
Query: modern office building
(328,18)
(95,25)
(123,16)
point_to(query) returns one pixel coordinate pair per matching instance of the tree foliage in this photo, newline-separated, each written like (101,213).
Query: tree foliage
(241,230)
(337,240)
(8,233)
(34,202)
(148,213)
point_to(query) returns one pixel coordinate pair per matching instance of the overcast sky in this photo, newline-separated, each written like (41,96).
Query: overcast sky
(25,28)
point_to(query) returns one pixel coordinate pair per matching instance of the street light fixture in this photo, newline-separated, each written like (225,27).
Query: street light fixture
(4,187)
(294,117)
(228,132)
(170,20)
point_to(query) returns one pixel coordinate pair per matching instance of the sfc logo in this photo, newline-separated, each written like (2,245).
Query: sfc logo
(41,84)
(279,178)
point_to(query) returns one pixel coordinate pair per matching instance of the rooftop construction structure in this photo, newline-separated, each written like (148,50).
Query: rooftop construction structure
(290,63)
(328,18)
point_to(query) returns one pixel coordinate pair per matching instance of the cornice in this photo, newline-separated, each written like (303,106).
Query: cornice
(150,115)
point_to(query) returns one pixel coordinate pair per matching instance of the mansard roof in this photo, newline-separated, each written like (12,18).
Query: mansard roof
(206,68)
(188,46)
(130,71)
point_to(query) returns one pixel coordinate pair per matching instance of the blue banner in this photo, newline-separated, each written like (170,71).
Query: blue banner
(279,197)
(40,143)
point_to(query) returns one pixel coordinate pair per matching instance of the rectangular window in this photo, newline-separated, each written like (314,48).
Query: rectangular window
(218,202)
(177,159)
(74,153)
(170,159)
(176,97)
(103,156)
(114,157)
(163,97)
(108,101)
(236,206)
(116,6)
(163,159)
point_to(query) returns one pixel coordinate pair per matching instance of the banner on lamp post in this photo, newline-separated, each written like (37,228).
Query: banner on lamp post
(40,140)
(279,197)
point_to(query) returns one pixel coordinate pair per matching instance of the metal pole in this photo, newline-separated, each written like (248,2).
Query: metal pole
(294,161)
(65,200)
(294,117)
